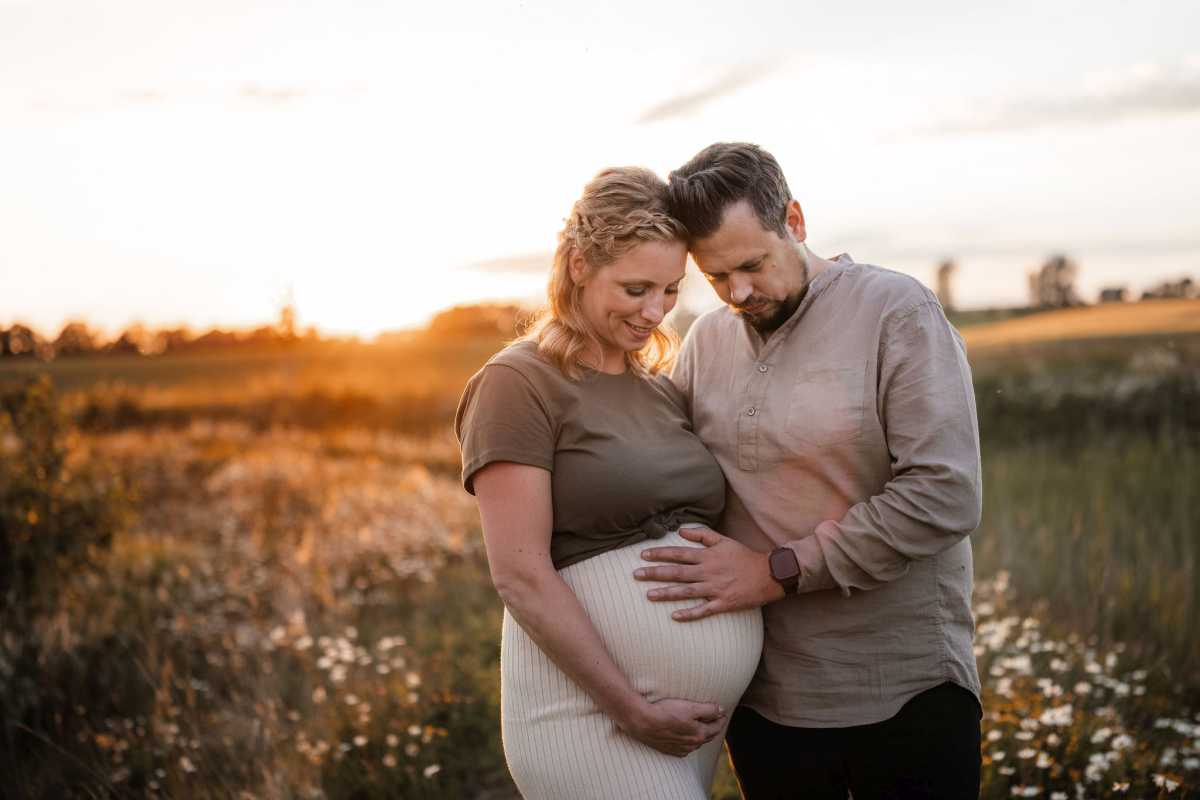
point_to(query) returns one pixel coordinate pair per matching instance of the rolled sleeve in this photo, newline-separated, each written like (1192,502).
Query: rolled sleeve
(934,497)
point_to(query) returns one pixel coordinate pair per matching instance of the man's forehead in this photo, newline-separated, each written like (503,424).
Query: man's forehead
(739,239)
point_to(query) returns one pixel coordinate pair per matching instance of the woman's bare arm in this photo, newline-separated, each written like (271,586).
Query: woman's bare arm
(515,508)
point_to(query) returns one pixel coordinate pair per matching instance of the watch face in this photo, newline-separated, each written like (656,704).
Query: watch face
(784,566)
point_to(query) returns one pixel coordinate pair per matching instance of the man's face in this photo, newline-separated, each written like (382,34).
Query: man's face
(759,274)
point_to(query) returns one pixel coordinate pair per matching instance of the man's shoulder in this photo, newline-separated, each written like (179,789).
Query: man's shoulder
(892,292)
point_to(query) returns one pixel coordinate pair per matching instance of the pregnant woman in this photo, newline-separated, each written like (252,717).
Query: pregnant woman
(577,448)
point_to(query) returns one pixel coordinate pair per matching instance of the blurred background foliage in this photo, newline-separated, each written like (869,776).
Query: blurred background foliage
(249,570)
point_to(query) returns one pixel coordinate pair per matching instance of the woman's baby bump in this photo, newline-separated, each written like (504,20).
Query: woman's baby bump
(712,659)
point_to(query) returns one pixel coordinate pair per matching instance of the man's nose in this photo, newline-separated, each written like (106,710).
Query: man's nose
(740,288)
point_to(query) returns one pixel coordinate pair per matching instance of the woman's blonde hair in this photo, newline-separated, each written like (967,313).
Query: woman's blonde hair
(621,208)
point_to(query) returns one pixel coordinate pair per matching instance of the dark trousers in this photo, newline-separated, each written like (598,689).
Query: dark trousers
(930,749)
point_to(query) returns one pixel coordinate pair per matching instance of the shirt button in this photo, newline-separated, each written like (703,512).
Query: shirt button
(762,367)
(752,411)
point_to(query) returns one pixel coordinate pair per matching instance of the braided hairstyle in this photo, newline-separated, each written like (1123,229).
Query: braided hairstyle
(620,208)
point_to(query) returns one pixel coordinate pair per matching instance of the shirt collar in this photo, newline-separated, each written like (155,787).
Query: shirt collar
(826,278)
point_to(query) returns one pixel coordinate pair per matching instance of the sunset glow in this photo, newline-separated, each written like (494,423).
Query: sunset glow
(194,164)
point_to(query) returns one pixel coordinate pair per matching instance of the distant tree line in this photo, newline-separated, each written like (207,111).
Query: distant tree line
(78,339)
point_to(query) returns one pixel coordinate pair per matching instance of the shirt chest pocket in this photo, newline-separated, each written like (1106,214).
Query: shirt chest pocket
(827,405)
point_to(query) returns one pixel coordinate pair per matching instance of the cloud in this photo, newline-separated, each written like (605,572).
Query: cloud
(686,103)
(530,263)
(1141,92)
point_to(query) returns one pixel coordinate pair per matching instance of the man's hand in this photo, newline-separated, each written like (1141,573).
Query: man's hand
(726,575)
(675,727)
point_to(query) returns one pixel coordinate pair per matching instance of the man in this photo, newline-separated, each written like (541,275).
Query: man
(838,401)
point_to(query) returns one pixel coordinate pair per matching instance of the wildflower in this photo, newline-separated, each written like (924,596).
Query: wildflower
(382,669)
(351,632)
(1006,771)
(994,735)
(1163,782)
(413,680)
(1191,763)
(1027,754)
(1058,796)
(1024,736)
(1025,791)
(1053,740)
(318,695)
(1083,687)
(360,741)
(1120,787)
(998,755)
(389,761)
(392,740)
(186,764)
(1044,761)
(1168,757)
(1058,715)
(411,749)
(351,699)
(1122,742)
(1101,735)
(431,770)
(303,643)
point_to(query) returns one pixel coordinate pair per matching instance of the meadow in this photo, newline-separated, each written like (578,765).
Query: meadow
(255,575)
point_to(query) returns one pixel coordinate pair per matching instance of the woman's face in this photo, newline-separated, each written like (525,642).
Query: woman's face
(626,300)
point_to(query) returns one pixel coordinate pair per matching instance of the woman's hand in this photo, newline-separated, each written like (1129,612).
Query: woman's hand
(673,726)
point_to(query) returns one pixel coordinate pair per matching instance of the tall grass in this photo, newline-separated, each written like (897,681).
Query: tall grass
(300,604)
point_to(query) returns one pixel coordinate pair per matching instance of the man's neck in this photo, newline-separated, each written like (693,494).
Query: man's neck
(816,264)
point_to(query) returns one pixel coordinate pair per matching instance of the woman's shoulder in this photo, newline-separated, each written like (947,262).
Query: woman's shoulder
(523,358)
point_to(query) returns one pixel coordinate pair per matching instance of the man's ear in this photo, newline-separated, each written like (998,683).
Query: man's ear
(794,221)
(576,266)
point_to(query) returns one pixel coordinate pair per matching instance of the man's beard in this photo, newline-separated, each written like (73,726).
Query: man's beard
(780,315)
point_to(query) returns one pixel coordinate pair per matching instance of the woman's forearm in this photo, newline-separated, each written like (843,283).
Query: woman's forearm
(547,609)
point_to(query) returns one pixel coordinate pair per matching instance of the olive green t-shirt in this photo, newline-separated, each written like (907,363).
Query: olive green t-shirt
(625,465)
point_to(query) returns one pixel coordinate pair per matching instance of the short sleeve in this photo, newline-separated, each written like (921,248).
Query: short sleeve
(501,417)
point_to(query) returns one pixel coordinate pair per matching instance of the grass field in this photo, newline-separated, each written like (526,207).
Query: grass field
(1111,321)
(297,603)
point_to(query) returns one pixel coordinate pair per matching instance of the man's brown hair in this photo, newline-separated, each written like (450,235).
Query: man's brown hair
(721,175)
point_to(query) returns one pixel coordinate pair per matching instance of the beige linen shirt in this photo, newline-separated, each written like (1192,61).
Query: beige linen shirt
(849,435)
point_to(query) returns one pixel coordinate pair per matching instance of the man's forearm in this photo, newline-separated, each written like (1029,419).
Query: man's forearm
(876,540)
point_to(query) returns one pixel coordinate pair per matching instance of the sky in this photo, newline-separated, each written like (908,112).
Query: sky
(200,162)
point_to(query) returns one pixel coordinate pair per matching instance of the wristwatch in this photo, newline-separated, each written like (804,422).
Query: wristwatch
(785,568)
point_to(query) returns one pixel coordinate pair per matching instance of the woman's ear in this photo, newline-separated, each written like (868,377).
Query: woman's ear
(576,266)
